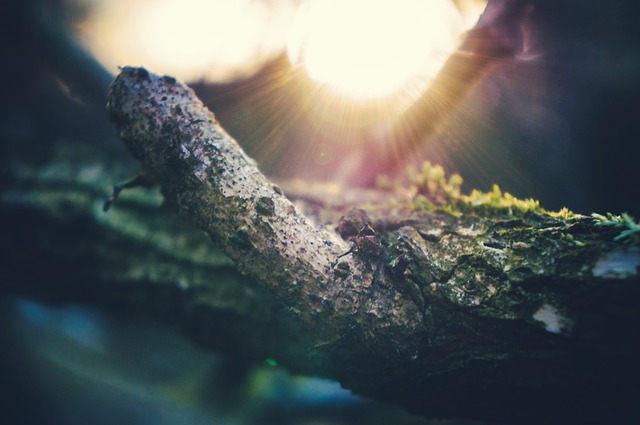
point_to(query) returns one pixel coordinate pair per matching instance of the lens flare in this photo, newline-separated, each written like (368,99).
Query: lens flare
(370,49)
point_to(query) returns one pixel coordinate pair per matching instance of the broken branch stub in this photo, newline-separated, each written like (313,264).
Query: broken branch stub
(210,179)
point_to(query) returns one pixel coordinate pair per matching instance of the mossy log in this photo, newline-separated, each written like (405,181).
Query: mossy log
(495,314)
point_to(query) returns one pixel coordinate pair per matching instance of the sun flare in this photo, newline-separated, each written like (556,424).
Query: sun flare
(361,48)
(370,49)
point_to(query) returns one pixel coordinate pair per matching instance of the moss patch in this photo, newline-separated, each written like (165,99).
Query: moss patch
(430,189)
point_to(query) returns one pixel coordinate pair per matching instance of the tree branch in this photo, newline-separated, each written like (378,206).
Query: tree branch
(493,315)
(203,171)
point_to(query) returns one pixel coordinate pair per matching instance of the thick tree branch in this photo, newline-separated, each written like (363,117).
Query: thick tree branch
(206,174)
(494,315)
(433,305)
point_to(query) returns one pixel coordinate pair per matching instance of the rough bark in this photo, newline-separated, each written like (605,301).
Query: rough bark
(493,315)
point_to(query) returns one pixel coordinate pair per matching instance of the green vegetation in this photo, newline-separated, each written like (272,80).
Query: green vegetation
(430,189)
(270,362)
(630,229)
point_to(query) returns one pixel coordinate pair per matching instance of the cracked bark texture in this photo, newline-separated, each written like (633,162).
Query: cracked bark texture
(205,173)
(519,318)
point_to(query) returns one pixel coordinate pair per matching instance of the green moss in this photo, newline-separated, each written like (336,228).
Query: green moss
(432,181)
(498,200)
(564,213)
(630,230)
(568,237)
(430,189)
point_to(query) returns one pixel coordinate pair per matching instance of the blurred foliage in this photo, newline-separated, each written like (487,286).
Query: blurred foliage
(630,230)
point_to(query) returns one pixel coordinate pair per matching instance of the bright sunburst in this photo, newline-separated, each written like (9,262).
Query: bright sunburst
(370,49)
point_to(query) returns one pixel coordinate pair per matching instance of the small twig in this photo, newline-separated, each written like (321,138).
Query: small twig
(138,181)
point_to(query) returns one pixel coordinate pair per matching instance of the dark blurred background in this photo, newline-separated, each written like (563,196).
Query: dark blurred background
(559,124)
